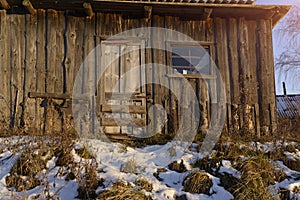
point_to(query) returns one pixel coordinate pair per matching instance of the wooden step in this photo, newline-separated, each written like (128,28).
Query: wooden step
(118,136)
(109,121)
(124,109)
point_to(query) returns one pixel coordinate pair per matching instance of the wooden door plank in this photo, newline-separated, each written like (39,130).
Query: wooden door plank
(124,109)
(122,122)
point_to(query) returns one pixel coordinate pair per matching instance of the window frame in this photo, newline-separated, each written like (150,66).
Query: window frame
(189,44)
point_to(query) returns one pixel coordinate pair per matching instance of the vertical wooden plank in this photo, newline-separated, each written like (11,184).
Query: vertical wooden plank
(252,73)
(17,67)
(71,53)
(30,59)
(89,66)
(4,69)
(41,70)
(210,36)
(79,46)
(173,84)
(266,71)
(233,62)
(245,71)
(159,92)
(222,59)
(272,90)
(59,70)
(100,87)
(55,47)
(203,97)
(52,51)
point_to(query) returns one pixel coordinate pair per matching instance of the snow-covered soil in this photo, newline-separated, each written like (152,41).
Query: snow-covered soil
(117,162)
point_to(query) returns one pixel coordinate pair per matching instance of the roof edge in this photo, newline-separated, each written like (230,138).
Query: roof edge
(280,12)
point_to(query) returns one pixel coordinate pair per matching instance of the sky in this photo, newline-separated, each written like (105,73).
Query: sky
(279,2)
(292,77)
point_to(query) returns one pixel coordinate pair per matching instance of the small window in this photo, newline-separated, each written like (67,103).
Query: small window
(191,59)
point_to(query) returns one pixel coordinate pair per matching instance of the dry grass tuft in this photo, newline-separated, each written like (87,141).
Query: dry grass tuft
(84,152)
(24,174)
(123,191)
(178,167)
(89,184)
(64,157)
(198,182)
(257,174)
(144,184)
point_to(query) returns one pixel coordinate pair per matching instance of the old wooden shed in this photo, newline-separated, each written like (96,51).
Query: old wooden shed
(43,44)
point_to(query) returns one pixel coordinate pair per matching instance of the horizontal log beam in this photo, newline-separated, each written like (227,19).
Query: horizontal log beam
(49,95)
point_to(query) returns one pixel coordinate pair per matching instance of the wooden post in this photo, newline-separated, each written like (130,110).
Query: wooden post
(88,9)
(29,6)
(4,4)
(284,88)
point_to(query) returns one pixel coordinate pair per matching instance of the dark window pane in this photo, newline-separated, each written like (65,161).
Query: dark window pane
(191,59)
(180,62)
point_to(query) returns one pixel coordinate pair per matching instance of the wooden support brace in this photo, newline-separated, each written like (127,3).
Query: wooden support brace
(49,95)
(29,6)
(207,13)
(88,9)
(4,4)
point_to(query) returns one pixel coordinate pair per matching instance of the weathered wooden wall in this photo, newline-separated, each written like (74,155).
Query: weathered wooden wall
(43,52)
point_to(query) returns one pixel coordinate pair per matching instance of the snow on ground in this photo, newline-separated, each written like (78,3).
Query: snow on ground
(112,158)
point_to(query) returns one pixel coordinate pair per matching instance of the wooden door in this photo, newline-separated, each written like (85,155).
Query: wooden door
(123,110)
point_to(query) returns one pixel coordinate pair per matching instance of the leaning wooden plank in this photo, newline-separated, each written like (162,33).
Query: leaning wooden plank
(29,6)
(122,122)
(4,4)
(124,109)
(88,9)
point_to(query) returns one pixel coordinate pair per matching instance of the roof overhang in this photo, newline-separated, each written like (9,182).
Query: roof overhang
(182,8)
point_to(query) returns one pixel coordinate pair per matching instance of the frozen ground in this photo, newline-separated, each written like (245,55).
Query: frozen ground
(136,163)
